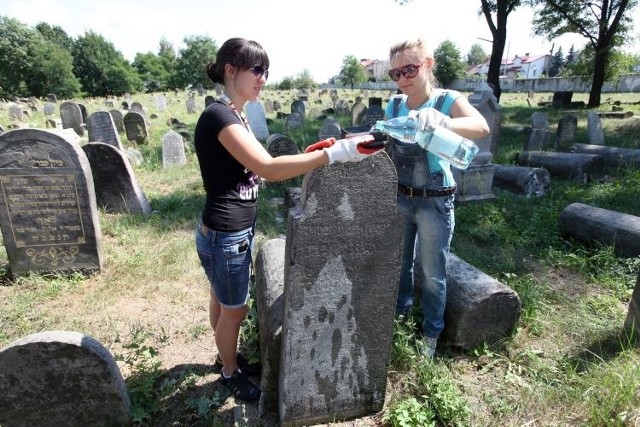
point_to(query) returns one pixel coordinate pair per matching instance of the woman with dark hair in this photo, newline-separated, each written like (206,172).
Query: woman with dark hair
(231,162)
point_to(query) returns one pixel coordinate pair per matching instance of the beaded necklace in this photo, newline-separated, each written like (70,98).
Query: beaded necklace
(225,99)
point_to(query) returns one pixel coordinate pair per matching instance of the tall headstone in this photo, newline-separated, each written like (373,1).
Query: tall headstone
(374,113)
(102,129)
(83,112)
(71,117)
(342,253)
(191,105)
(173,150)
(161,102)
(566,132)
(257,119)
(298,106)
(118,120)
(48,211)
(358,113)
(595,135)
(135,127)
(116,187)
(539,137)
(16,112)
(57,378)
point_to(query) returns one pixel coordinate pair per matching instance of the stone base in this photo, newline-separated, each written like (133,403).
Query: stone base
(474,183)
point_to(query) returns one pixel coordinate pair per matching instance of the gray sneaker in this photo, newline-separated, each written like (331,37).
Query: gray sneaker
(427,346)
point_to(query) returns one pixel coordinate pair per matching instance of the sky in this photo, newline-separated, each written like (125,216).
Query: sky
(298,35)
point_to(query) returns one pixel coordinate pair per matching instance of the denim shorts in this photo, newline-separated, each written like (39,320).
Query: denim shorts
(226,259)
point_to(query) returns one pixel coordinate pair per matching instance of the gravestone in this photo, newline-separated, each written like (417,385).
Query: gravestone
(161,102)
(135,156)
(173,150)
(48,210)
(16,112)
(71,117)
(137,107)
(83,112)
(116,187)
(277,106)
(632,321)
(49,109)
(475,182)
(294,121)
(61,378)
(125,105)
(268,106)
(208,100)
(539,137)
(118,120)
(51,97)
(102,129)
(191,106)
(374,114)
(342,107)
(595,134)
(257,119)
(330,129)
(358,113)
(135,127)
(561,98)
(566,132)
(342,259)
(298,106)
(280,145)
(613,157)
(375,100)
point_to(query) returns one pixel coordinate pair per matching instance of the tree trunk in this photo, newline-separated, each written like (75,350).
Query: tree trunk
(599,68)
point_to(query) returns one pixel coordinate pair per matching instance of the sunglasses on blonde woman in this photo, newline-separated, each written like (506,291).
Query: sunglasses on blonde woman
(408,71)
(259,71)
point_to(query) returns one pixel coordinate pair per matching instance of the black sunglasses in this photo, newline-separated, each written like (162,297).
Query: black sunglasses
(259,71)
(409,71)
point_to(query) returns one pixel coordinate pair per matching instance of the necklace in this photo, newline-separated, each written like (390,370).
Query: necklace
(225,99)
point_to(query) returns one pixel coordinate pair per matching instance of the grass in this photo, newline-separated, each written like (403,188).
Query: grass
(567,363)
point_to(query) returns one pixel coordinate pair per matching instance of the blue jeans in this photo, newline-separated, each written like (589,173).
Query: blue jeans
(428,225)
(226,259)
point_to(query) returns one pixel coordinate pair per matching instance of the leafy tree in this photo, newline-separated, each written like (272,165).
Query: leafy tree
(167,55)
(51,71)
(304,80)
(556,63)
(56,35)
(476,55)
(120,78)
(571,58)
(618,62)
(449,64)
(287,83)
(152,71)
(16,39)
(192,61)
(604,23)
(352,71)
(94,57)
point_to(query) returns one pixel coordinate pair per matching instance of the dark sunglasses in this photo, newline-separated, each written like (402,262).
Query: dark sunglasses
(409,71)
(259,71)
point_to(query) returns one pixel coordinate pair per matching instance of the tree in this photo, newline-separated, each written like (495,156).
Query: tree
(93,58)
(352,71)
(286,83)
(476,55)
(51,71)
(449,65)
(167,55)
(304,80)
(571,58)
(16,39)
(604,23)
(55,34)
(556,63)
(121,78)
(192,61)
(152,72)
(618,62)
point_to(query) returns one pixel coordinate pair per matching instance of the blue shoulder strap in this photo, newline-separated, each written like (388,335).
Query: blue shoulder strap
(438,106)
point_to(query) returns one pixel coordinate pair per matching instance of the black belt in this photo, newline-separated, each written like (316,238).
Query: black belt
(421,192)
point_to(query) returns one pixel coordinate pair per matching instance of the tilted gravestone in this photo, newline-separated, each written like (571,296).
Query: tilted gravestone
(135,127)
(101,128)
(173,150)
(118,120)
(48,208)
(342,259)
(58,378)
(257,119)
(116,187)
(71,117)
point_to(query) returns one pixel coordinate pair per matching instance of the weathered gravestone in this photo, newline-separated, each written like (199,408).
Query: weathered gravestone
(83,112)
(135,127)
(118,120)
(595,134)
(191,106)
(342,259)
(298,106)
(277,106)
(280,145)
(566,132)
(257,119)
(374,114)
(161,102)
(330,129)
(116,187)
(522,179)
(208,100)
(49,109)
(613,156)
(101,128)
(632,321)
(136,106)
(294,121)
(48,208)
(539,137)
(60,378)
(573,166)
(16,112)
(71,117)
(358,113)
(173,150)
(268,106)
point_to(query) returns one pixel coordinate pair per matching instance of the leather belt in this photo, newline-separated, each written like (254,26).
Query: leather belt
(422,192)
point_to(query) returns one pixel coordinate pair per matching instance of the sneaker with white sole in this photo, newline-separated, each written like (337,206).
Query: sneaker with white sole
(427,346)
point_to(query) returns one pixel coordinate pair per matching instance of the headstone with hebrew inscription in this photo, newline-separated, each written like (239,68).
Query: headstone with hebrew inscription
(330,129)
(343,255)
(118,120)
(173,150)
(257,119)
(116,186)
(71,117)
(102,129)
(61,378)
(135,127)
(48,211)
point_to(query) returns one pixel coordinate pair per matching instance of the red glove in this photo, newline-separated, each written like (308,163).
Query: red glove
(351,149)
